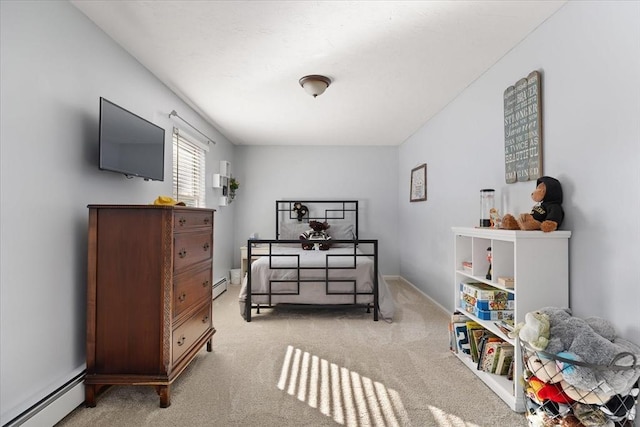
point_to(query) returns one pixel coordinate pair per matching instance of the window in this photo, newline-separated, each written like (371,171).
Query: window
(188,169)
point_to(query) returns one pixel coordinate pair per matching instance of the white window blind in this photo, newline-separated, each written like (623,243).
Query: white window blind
(188,170)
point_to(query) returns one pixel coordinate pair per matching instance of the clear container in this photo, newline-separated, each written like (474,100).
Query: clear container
(487,202)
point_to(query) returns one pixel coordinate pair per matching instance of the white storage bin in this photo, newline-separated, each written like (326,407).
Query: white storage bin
(235,276)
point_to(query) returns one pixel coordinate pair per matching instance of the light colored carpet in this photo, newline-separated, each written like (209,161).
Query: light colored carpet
(302,366)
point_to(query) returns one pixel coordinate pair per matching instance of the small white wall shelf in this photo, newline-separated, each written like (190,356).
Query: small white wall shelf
(218,181)
(221,180)
(225,168)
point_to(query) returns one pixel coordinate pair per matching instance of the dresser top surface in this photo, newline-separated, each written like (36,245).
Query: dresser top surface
(167,207)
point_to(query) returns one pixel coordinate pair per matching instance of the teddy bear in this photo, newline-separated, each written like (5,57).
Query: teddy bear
(546,215)
(317,236)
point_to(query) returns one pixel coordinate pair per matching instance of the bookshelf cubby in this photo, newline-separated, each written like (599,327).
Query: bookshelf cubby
(537,262)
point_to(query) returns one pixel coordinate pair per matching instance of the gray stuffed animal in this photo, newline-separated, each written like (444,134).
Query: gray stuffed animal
(592,341)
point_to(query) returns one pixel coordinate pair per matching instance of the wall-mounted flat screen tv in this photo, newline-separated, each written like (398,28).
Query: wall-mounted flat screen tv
(130,144)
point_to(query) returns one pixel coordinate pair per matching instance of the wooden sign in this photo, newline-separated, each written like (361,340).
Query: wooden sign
(523,129)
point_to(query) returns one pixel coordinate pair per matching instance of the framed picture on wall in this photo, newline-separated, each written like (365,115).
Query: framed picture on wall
(418,191)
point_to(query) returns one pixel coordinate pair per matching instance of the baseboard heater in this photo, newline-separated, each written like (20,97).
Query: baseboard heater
(47,401)
(219,287)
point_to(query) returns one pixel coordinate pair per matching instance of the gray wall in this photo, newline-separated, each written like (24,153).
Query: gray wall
(55,64)
(368,174)
(588,54)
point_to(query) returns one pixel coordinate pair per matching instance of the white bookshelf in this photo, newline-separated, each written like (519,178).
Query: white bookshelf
(539,265)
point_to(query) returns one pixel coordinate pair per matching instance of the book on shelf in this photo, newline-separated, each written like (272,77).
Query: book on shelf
(475,336)
(462,338)
(456,318)
(486,342)
(505,325)
(504,359)
(507,282)
(489,353)
(511,368)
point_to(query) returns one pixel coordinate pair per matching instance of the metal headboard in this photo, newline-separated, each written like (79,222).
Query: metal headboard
(335,210)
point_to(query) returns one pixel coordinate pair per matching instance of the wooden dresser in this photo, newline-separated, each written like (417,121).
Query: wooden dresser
(149,294)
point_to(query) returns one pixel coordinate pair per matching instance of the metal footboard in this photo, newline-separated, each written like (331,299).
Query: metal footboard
(360,248)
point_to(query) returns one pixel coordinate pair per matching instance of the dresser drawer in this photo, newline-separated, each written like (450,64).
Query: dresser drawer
(191,248)
(186,220)
(185,335)
(191,288)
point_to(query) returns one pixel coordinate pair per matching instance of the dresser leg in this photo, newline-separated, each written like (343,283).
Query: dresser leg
(210,345)
(165,395)
(90,396)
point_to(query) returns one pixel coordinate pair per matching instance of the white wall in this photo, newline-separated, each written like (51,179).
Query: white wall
(589,55)
(367,174)
(55,64)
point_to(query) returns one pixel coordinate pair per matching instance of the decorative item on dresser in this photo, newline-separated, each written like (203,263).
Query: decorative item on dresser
(149,294)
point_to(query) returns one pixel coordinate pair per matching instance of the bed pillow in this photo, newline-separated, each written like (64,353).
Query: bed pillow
(341,232)
(292,231)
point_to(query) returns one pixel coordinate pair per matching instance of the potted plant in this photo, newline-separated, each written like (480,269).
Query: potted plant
(233,186)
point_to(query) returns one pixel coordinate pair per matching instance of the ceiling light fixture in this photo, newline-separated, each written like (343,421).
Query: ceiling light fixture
(315,84)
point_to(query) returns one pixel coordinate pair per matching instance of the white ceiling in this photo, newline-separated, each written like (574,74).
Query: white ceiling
(393,64)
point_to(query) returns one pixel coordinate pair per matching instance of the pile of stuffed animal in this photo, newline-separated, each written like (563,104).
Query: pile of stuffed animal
(577,372)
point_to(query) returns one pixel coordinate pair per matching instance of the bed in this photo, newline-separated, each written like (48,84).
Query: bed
(344,274)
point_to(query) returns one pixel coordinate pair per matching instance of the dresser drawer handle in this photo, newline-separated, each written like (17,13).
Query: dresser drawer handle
(205,319)
(181,340)
(182,253)
(182,297)
(205,283)
(182,221)
(206,246)
(206,220)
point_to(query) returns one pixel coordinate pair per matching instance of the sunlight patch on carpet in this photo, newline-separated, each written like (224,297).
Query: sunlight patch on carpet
(339,393)
(448,420)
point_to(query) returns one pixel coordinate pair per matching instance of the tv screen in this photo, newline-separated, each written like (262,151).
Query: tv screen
(130,144)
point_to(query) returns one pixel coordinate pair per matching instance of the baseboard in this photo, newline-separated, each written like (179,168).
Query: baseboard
(53,407)
(440,306)
(219,287)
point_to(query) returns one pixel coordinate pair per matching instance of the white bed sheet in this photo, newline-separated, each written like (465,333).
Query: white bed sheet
(314,292)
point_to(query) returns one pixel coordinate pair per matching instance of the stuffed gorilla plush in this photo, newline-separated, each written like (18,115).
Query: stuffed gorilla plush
(546,215)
